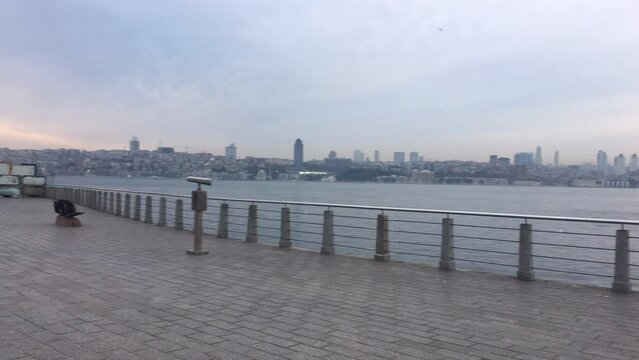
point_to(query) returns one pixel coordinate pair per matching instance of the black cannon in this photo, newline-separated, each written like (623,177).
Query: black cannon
(65,208)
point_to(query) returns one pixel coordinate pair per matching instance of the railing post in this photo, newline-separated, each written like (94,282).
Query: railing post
(98,200)
(381,243)
(251,224)
(111,202)
(525,271)
(621,282)
(285,228)
(105,201)
(137,208)
(148,210)
(446,261)
(327,234)
(127,206)
(162,212)
(223,225)
(179,215)
(118,204)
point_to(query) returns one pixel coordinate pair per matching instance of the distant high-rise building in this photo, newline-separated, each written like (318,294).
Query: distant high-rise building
(230,153)
(398,157)
(556,159)
(523,158)
(602,160)
(358,156)
(492,161)
(298,154)
(620,164)
(332,154)
(503,162)
(413,156)
(134,144)
(634,164)
(376,156)
(538,158)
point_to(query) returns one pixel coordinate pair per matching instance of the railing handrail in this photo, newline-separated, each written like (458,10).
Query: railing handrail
(381,208)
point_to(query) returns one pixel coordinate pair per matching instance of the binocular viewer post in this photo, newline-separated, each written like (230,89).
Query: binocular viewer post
(199,206)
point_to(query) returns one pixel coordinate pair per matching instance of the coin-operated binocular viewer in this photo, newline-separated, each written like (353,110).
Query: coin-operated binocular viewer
(198,205)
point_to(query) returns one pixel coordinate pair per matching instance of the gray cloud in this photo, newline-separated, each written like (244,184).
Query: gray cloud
(457,79)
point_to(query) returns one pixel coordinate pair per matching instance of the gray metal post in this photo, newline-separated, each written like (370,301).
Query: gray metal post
(525,271)
(127,206)
(111,202)
(148,210)
(285,228)
(105,201)
(118,204)
(162,212)
(98,200)
(621,282)
(223,226)
(137,208)
(381,242)
(446,261)
(94,199)
(179,215)
(251,224)
(327,234)
(199,206)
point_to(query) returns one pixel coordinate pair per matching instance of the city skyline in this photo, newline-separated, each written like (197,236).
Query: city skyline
(450,80)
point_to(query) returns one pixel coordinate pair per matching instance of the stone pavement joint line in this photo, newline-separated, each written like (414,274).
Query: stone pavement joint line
(118,289)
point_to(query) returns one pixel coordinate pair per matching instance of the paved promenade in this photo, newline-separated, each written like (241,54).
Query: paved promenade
(117,289)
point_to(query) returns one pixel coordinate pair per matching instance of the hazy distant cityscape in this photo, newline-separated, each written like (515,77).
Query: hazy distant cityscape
(524,168)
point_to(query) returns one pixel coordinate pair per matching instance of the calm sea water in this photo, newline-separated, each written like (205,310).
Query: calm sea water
(531,200)
(417,242)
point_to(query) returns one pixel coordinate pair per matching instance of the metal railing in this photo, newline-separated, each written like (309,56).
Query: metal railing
(573,249)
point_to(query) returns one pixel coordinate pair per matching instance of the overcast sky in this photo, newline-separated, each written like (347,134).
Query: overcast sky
(449,79)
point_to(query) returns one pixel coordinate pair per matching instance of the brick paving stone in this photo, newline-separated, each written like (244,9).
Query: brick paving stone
(118,289)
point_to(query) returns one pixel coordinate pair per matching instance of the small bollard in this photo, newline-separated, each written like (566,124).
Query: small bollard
(446,261)
(118,204)
(223,225)
(525,271)
(111,203)
(251,224)
(198,205)
(137,208)
(285,228)
(162,212)
(179,215)
(127,206)
(621,282)
(381,242)
(327,234)
(148,210)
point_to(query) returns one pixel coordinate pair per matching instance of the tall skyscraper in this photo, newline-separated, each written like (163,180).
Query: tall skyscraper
(358,156)
(538,159)
(620,164)
(634,163)
(134,144)
(398,157)
(332,154)
(413,156)
(492,161)
(376,156)
(556,159)
(298,154)
(230,153)
(602,160)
